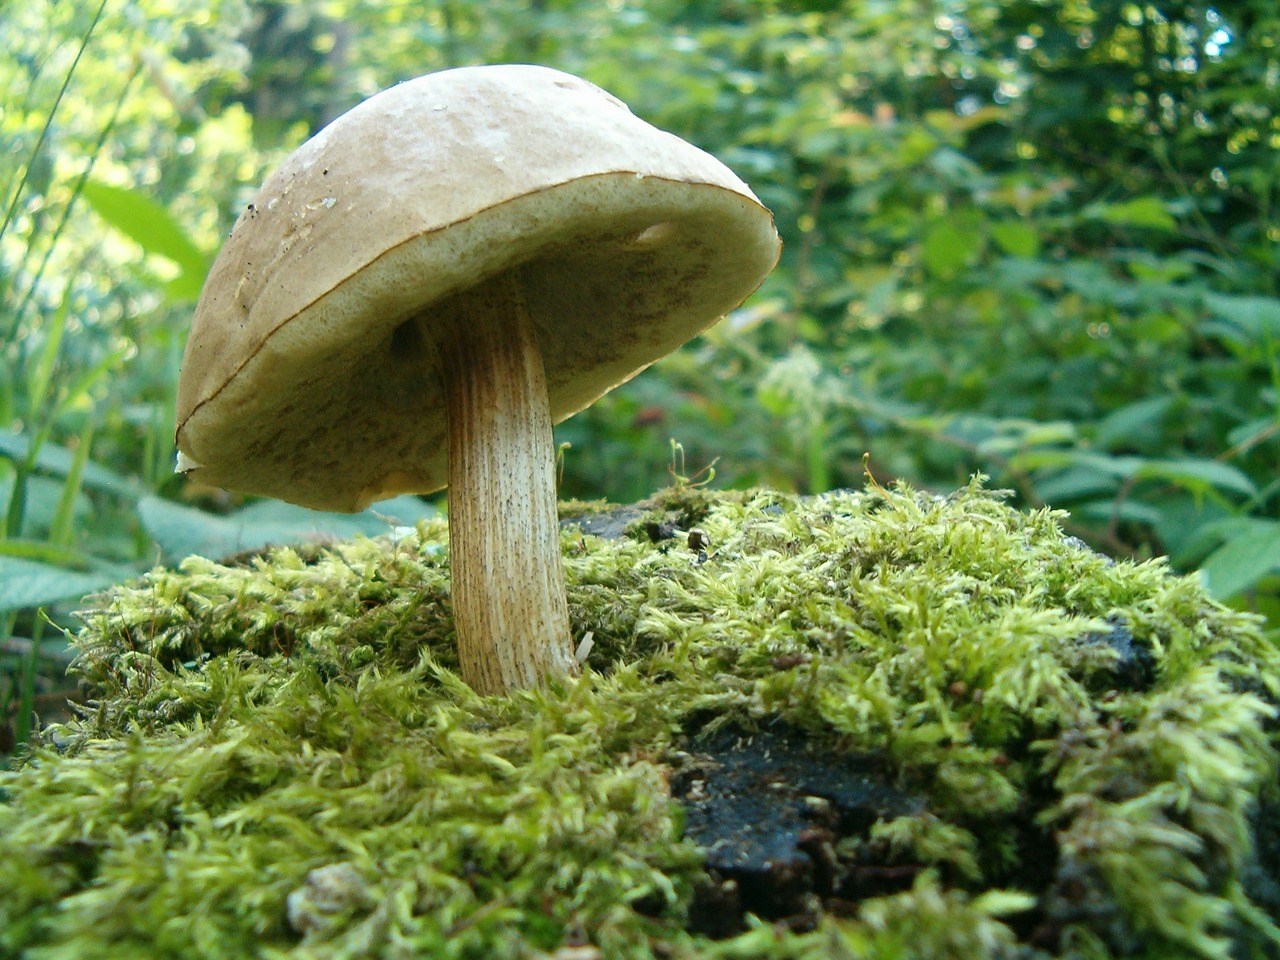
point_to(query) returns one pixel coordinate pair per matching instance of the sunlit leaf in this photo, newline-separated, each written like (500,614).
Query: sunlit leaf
(947,248)
(154,229)
(1016,238)
(1148,212)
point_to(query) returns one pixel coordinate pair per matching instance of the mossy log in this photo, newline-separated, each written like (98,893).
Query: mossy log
(871,724)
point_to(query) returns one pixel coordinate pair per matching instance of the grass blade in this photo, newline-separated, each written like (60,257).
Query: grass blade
(41,375)
(64,519)
(48,123)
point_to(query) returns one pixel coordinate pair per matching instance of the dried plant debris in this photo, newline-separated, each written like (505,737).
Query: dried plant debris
(869,724)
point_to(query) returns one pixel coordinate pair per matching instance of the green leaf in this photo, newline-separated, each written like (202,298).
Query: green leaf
(1120,467)
(1243,560)
(61,462)
(1193,473)
(181,531)
(29,583)
(45,498)
(1258,318)
(1152,268)
(154,229)
(1076,483)
(1027,437)
(1191,527)
(1251,432)
(998,903)
(1198,474)
(46,553)
(1140,212)
(1043,433)
(1128,511)
(946,249)
(1132,424)
(1016,238)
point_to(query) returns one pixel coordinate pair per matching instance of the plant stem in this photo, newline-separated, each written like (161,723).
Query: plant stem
(504,534)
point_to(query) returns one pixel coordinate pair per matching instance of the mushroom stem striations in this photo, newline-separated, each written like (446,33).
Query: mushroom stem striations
(504,533)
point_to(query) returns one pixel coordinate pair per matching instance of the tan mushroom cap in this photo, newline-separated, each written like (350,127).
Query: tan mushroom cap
(310,374)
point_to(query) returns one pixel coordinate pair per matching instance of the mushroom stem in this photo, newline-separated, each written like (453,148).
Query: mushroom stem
(504,534)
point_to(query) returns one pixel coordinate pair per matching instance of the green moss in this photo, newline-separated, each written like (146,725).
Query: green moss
(278,759)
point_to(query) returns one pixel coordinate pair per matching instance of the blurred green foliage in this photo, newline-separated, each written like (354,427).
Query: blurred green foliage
(1035,239)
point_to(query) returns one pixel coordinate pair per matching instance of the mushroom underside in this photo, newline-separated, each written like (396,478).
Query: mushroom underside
(603,305)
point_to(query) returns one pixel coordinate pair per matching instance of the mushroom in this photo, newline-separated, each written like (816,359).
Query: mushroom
(423,288)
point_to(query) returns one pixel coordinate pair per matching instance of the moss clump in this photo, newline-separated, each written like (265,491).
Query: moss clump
(953,730)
